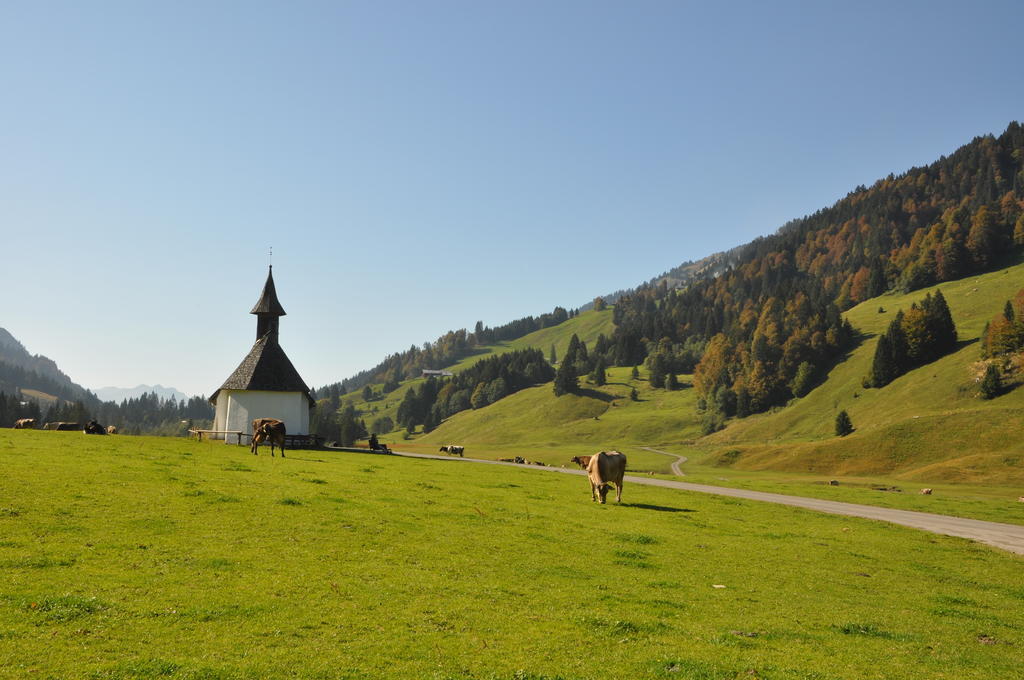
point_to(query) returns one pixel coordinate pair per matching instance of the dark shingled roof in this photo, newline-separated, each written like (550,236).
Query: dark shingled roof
(268,303)
(266,367)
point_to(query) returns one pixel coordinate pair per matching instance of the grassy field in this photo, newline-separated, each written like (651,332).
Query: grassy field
(134,557)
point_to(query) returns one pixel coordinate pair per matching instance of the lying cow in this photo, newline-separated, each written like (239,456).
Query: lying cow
(94,428)
(25,424)
(267,430)
(111,429)
(606,468)
(926,492)
(62,426)
(453,449)
(582,461)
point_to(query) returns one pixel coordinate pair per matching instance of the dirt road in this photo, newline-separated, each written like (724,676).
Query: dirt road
(1005,536)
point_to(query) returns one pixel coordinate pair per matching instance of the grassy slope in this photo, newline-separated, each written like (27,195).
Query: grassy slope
(539,426)
(926,425)
(135,557)
(587,326)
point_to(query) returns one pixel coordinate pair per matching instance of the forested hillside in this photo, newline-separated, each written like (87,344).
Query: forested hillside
(772,322)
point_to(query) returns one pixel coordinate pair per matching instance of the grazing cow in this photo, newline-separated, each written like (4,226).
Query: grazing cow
(62,426)
(267,430)
(606,468)
(94,428)
(25,424)
(111,429)
(582,461)
(452,449)
(926,492)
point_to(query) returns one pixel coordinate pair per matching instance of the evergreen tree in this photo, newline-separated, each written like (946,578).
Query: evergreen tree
(802,382)
(565,378)
(635,373)
(671,382)
(883,368)
(553,357)
(898,347)
(479,398)
(634,395)
(940,323)
(991,384)
(844,425)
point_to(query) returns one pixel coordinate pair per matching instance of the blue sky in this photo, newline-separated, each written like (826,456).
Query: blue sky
(419,166)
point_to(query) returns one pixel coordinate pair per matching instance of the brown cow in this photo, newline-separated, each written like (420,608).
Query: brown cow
(606,468)
(267,429)
(25,424)
(111,429)
(582,461)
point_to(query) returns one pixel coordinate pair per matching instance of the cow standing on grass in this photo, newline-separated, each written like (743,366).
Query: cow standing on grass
(582,461)
(606,468)
(25,424)
(267,430)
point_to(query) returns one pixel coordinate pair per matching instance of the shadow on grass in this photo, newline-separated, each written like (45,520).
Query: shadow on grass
(658,508)
(594,394)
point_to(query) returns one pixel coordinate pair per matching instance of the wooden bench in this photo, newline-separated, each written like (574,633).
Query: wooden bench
(293,440)
(238,433)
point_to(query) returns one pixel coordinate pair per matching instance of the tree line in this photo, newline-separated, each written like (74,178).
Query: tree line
(914,338)
(445,351)
(1002,344)
(483,383)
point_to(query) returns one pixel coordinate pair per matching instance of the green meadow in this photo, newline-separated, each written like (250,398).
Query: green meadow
(135,557)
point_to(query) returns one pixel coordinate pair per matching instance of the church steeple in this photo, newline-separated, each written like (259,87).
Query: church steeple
(268,310)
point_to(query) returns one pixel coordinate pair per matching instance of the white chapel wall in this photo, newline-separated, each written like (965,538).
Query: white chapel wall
(236,410)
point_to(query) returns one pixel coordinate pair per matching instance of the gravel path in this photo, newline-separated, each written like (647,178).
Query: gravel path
(1005,536)
(679,460)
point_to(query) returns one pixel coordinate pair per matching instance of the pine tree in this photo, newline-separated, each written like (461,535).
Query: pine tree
(883,368)
(991,384)
(844,425)
(553,357)
(940,322)
(671,382)
(565,378)
(898,347)
(802,382)
(599,376)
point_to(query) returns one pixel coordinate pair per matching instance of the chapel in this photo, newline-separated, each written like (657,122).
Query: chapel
(265,384)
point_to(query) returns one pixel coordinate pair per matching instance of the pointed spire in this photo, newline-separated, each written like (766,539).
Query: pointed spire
(268,303)
(268,310)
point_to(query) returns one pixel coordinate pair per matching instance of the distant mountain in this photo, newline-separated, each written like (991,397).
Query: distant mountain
(119,394)
(21,370)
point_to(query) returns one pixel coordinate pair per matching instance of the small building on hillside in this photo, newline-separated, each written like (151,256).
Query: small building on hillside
(265,384)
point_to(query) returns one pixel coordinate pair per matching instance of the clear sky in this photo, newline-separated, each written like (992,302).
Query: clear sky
(418,166)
